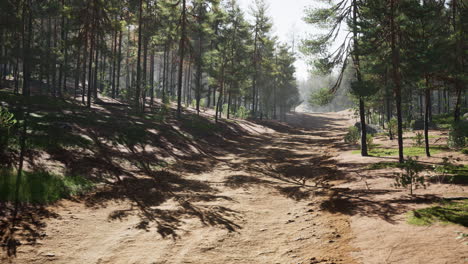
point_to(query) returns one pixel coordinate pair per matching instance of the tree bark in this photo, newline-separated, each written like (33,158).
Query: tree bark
(119,60)
(396,78)
(426,117)
(152,62)
(114,59)
(138,79)
(181,58)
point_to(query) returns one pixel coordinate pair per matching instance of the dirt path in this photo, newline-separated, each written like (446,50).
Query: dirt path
(250,207)
(285,194)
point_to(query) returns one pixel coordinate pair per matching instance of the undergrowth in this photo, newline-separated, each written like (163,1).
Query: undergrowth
(41,187)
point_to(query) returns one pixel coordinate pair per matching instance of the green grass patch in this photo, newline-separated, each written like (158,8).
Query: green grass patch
(41,187)
(407,151)
(382,165)
(430,137)
(449,212)
(464,151)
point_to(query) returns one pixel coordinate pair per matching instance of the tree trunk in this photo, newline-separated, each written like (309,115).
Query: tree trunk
(85,58)
(119,60)
(362,116)
(54,61)
(164,84)
(144,74)
(77,70)
(152,77)
(396,78)
(357,66)
(96,69)
(254,79)
(90,70)
(138,79)
(181,58)
(426,117)
(114,59)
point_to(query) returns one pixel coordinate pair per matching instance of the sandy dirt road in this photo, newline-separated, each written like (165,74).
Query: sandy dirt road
(269,198)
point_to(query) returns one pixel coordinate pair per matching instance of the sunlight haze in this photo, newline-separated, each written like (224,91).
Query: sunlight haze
(288,25)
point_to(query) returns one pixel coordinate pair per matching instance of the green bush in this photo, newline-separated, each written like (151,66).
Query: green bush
(7,123)
(352,137)
(39,187)
(410,175)
(392,128)
(418,139)
(446,167)
(224,109)
(457,135)
(242,112)
(370,141)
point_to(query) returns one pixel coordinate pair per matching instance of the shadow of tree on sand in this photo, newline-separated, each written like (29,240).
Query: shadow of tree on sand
(364,203)
(26,229)
(186,197)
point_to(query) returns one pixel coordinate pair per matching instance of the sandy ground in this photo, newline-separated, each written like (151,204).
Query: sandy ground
(290,194)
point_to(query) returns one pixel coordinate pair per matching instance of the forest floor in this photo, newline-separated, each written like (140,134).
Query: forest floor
(281,193)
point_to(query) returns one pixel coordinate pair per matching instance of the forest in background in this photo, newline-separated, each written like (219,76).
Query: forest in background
(177,116)
(199,53)
(408,61)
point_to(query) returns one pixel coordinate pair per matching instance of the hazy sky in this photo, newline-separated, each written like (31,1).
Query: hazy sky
(287,19)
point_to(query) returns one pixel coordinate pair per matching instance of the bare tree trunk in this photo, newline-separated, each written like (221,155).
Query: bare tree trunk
(85,58)
(396,78)
(54,60)
(96,68)
(77,70)
(26,89)
(152,78)
(164,85)
(426,117)
(181,58)
(114,58)
(144,75)
(138,80)
(119,60)
(90,70)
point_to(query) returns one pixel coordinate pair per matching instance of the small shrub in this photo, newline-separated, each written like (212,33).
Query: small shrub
(352,137)
(457,135)
(446,167)
(410,175)
(7,122)
(242,112)
(370,141)
(392,128)
(418,139)
(450,172)
(224,109)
